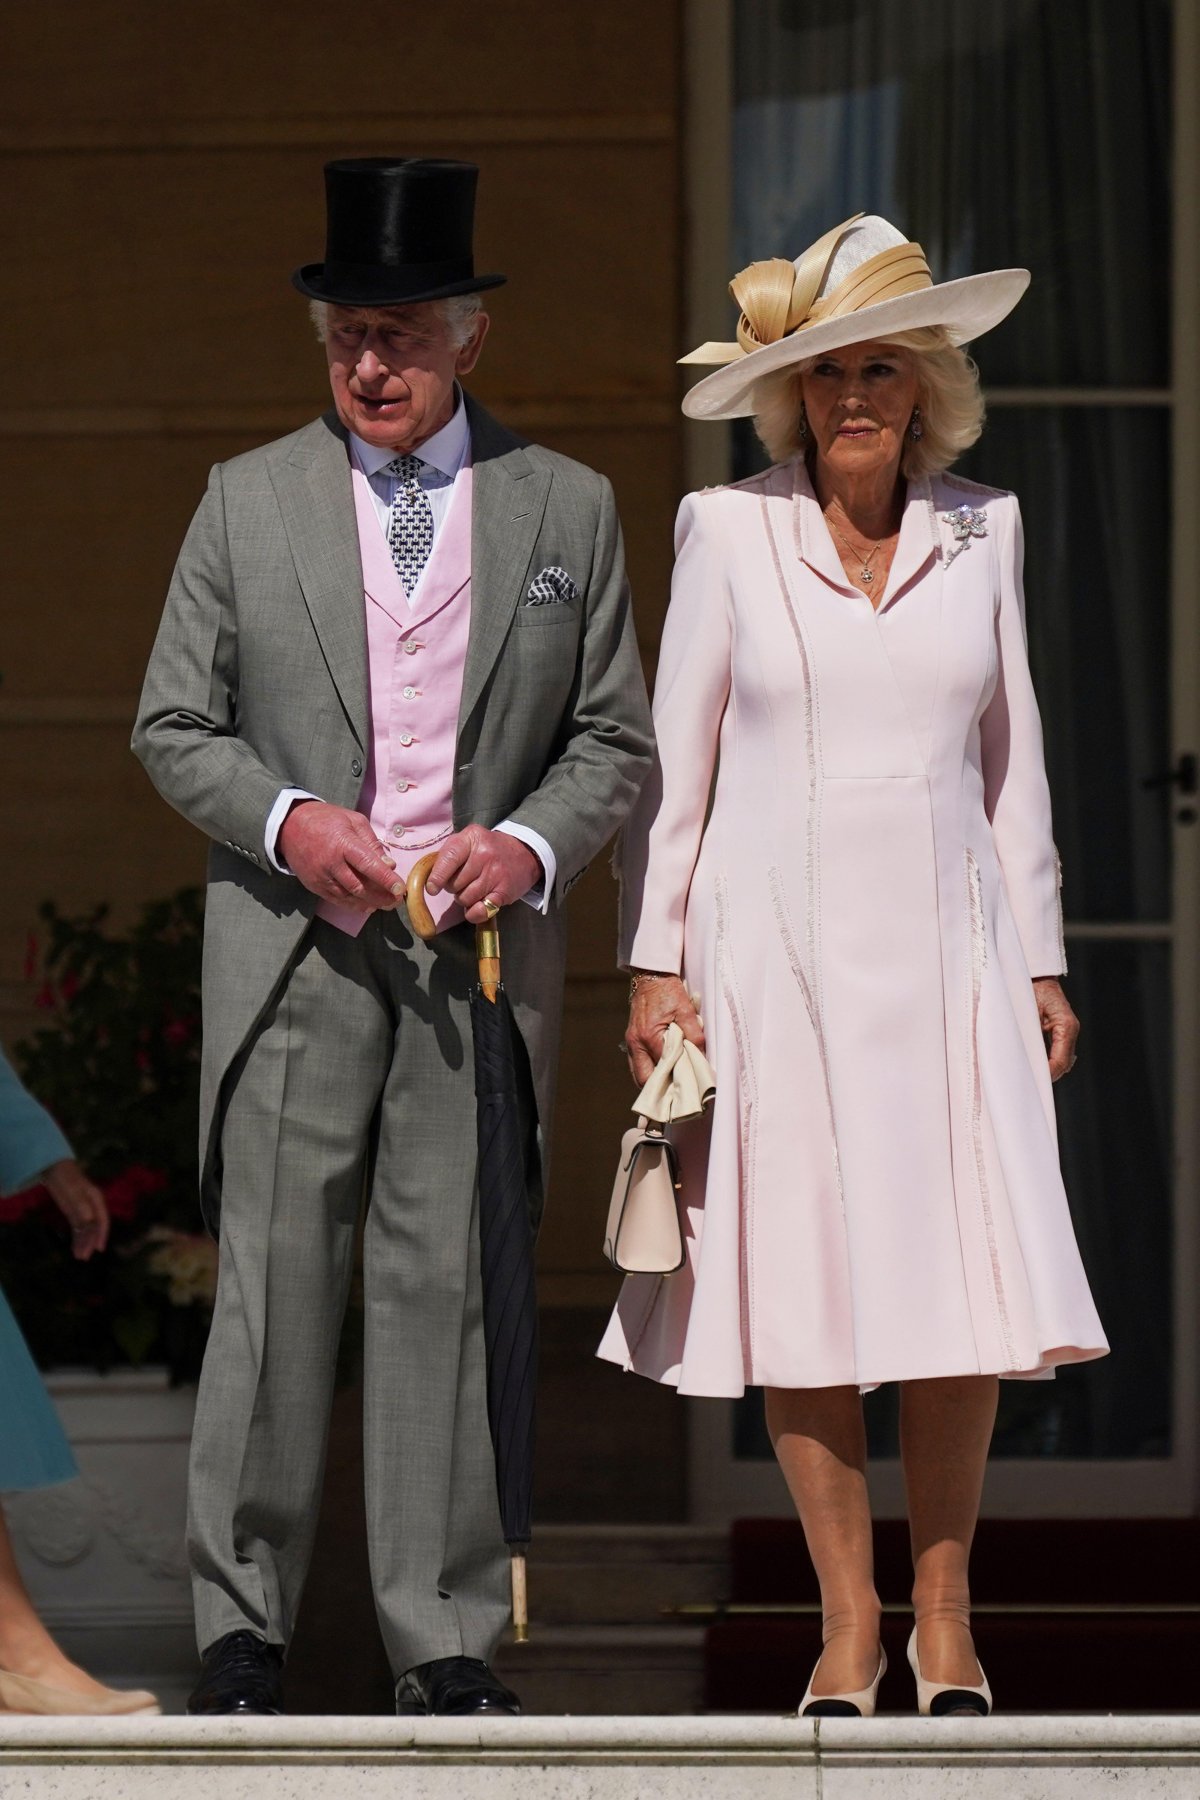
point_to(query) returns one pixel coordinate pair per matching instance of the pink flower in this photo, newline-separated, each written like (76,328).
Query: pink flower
(177,1032)
(45,997)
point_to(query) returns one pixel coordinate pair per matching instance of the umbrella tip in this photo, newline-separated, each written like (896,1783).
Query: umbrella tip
(520,1600)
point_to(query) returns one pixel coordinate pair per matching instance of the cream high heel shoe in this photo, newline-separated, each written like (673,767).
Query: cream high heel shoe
(934,1700)
(21,1694)
(843,1706)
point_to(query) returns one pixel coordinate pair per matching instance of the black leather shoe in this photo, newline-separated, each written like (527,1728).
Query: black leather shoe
(453,1685)
(240,1673)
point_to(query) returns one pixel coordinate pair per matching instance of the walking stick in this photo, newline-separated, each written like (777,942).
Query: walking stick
(487,935)
(487,955)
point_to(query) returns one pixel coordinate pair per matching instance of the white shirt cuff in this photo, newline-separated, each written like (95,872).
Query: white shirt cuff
(539,895)
(278,813)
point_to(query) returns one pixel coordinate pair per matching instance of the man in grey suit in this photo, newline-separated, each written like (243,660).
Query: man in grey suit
(400,627)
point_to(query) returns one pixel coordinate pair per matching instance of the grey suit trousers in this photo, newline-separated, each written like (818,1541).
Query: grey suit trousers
(358,1080)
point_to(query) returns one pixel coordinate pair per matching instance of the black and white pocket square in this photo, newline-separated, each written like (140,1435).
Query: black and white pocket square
(552,587)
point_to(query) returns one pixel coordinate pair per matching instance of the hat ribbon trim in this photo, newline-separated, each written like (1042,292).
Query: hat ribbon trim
(779,301)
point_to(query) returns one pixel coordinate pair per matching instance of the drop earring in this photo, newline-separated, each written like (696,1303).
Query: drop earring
(916,430)
(802,425)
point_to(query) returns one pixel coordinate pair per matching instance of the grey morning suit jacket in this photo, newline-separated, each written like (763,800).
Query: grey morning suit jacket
(258,680)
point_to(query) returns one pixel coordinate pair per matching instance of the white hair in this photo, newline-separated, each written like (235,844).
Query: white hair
(459,313)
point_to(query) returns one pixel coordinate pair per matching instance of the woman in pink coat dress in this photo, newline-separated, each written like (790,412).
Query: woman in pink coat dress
(845,852)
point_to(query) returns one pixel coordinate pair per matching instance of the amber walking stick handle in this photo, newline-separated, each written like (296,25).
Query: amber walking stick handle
(487,935)
(419,915)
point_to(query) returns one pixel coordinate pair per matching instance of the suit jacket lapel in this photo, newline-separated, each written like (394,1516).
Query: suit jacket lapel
(317,503)
(509,499)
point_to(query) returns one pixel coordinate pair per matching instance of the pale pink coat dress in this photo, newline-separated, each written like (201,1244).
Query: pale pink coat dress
(876,1193)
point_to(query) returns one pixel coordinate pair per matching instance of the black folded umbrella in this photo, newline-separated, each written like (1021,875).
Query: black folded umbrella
(505,1118)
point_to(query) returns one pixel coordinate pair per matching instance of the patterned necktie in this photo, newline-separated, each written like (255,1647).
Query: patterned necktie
(410,521)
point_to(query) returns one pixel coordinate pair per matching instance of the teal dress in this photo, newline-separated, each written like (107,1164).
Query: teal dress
(33,1448)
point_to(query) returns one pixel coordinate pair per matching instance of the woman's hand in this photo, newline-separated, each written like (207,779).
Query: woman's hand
(1058,1023)
(658,1001)
(81,1201)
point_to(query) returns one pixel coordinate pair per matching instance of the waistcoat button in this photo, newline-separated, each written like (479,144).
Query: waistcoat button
(356,767)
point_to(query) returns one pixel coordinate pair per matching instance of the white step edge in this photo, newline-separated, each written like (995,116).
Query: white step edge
(1146,1739)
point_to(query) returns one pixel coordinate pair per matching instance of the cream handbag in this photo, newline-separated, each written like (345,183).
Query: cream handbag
(644,1235)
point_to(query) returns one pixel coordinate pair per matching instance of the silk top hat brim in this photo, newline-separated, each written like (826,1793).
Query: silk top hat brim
(861,282)
(344,284)
(399,231)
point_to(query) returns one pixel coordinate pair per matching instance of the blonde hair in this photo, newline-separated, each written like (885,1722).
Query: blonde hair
(948,394)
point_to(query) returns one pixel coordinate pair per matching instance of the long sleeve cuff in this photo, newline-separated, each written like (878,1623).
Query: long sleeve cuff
(538,896)
(278,813)
(30,1140)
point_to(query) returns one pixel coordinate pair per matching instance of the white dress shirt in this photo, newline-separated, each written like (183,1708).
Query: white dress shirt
(443,455)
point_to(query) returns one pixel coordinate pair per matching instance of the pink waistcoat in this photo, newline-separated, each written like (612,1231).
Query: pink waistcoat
(416,657)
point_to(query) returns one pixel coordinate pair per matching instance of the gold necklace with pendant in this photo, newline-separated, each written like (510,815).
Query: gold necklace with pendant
(866,573)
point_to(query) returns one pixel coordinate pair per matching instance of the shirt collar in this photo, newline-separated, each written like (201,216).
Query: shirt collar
(445,451)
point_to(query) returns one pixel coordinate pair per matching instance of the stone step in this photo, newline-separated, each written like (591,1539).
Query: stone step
(607,1669)
(577,1669)
(624,1574)
(604,1637)
(602,1759)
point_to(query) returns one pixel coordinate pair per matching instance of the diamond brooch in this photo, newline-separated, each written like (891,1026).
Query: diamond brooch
(966,522)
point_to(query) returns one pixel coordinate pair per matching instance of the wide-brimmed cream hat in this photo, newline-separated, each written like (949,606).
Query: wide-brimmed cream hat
(862,280)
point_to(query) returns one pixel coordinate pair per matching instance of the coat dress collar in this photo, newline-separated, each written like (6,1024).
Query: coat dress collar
(919,541)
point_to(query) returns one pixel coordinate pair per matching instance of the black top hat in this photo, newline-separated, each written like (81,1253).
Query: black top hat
(398,230)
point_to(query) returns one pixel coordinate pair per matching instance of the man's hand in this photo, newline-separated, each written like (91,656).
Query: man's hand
(477,865)
(1058,1023)
(82,1204)
(658,1001)
(337,856)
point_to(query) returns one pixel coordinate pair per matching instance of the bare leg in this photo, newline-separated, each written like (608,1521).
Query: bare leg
(821,1444)
(26,1647)
(945,1432)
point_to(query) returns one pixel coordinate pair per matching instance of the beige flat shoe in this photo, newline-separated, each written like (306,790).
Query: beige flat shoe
(19,1694)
